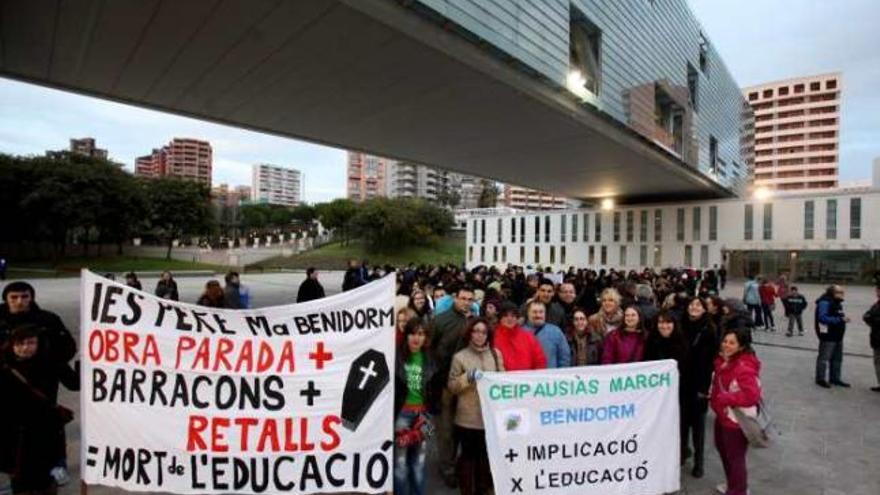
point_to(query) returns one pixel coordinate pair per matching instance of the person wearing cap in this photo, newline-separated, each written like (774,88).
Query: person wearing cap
(311,288)
(520,349)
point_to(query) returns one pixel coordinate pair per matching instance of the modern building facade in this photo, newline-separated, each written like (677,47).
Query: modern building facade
(796,132)
(523,198)
(186,158)
(647,65)
(87,147)
(276,185)
(367,176)
(813,235)
(224,195)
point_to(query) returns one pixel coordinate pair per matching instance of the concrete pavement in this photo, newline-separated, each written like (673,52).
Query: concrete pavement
(830,439)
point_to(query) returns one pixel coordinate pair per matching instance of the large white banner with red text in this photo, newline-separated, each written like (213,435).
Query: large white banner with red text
(181,398)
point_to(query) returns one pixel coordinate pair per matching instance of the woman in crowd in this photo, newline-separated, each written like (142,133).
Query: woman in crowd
(414,371)
(736,385)
(213,296)
(131,280)
(610,316)
(585,345)
(401,318)
(29,441)
(468,364)
(627,343)
(702,348)
(490,310)
(666,341)
(166,287)
(715,308)
(418,303)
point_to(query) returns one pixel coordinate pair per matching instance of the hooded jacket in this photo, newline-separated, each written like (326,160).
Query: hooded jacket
(736,384)
(55,337)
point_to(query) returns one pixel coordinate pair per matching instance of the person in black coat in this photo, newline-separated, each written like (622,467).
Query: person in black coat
(29,378)
(702,344)
(166,287)
(666,340)
(353,278)
(310,289)
(872,319)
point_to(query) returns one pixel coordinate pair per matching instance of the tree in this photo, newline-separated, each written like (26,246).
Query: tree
(448,197)
(336,215)
(178,207)
(388,224)
(488,194)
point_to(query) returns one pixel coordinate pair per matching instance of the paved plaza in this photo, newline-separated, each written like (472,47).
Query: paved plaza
(829,442)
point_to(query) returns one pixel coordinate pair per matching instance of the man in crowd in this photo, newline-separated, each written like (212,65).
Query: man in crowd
(446,338)
(872,319)
(553,342)
(20,308)
(566,295)
(544,294)
(311,288)
(830,322)
(354,277)
(232,291)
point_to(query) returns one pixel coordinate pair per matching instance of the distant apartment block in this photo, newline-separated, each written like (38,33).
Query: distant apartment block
(276,185)
(190,159)
(797,132)
(224,195)
(86,147)
(367,176)
(523,198)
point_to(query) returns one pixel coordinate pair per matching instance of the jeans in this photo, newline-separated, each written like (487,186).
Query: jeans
(409,462)
(767,312)
(792,319)
(833,352)
(732,446)
(756,314)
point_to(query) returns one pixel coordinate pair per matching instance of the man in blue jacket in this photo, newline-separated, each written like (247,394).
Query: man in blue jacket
(552,340)
(830,325)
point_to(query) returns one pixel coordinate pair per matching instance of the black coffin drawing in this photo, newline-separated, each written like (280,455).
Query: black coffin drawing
(367,378)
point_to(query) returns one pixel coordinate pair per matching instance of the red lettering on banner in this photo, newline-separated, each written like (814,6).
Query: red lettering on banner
(329,426)
(218,434)
(245,425)
(223,354)
(111,346)
(194,440)
(270,434)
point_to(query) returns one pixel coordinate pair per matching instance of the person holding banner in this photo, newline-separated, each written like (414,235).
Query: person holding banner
(29,441)
(627,343)
(697,377)
(736,385)
(468,364)
(412,405)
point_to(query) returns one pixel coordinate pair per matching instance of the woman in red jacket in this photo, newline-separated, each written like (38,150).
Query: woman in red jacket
(736,385)
(627,343)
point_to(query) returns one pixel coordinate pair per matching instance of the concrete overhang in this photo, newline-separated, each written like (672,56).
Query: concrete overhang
(367,75)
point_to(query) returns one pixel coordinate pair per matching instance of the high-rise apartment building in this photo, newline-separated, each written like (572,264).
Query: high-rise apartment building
(797,132)
(276,185)
(367,176)
(523,198)
(224,195)
(86,147)
(183,157)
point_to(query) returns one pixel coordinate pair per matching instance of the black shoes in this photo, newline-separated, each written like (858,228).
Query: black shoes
(841,384)
(823,384)
(875,389)
(697,472)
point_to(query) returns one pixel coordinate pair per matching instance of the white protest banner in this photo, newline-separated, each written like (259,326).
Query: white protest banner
(591,430)
(181,398)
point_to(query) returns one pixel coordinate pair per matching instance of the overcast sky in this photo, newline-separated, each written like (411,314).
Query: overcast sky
(759,41)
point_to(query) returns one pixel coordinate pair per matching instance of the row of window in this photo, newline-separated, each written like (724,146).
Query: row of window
(797,88)
(573,224)
(499,255)
(855,220)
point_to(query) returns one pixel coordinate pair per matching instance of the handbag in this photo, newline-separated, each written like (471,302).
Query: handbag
(62,414)
(756,428)
(755,422)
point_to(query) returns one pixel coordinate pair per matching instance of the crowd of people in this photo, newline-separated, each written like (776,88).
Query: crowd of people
(453,325)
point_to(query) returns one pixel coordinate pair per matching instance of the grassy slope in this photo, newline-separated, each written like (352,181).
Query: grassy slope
(336,256)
